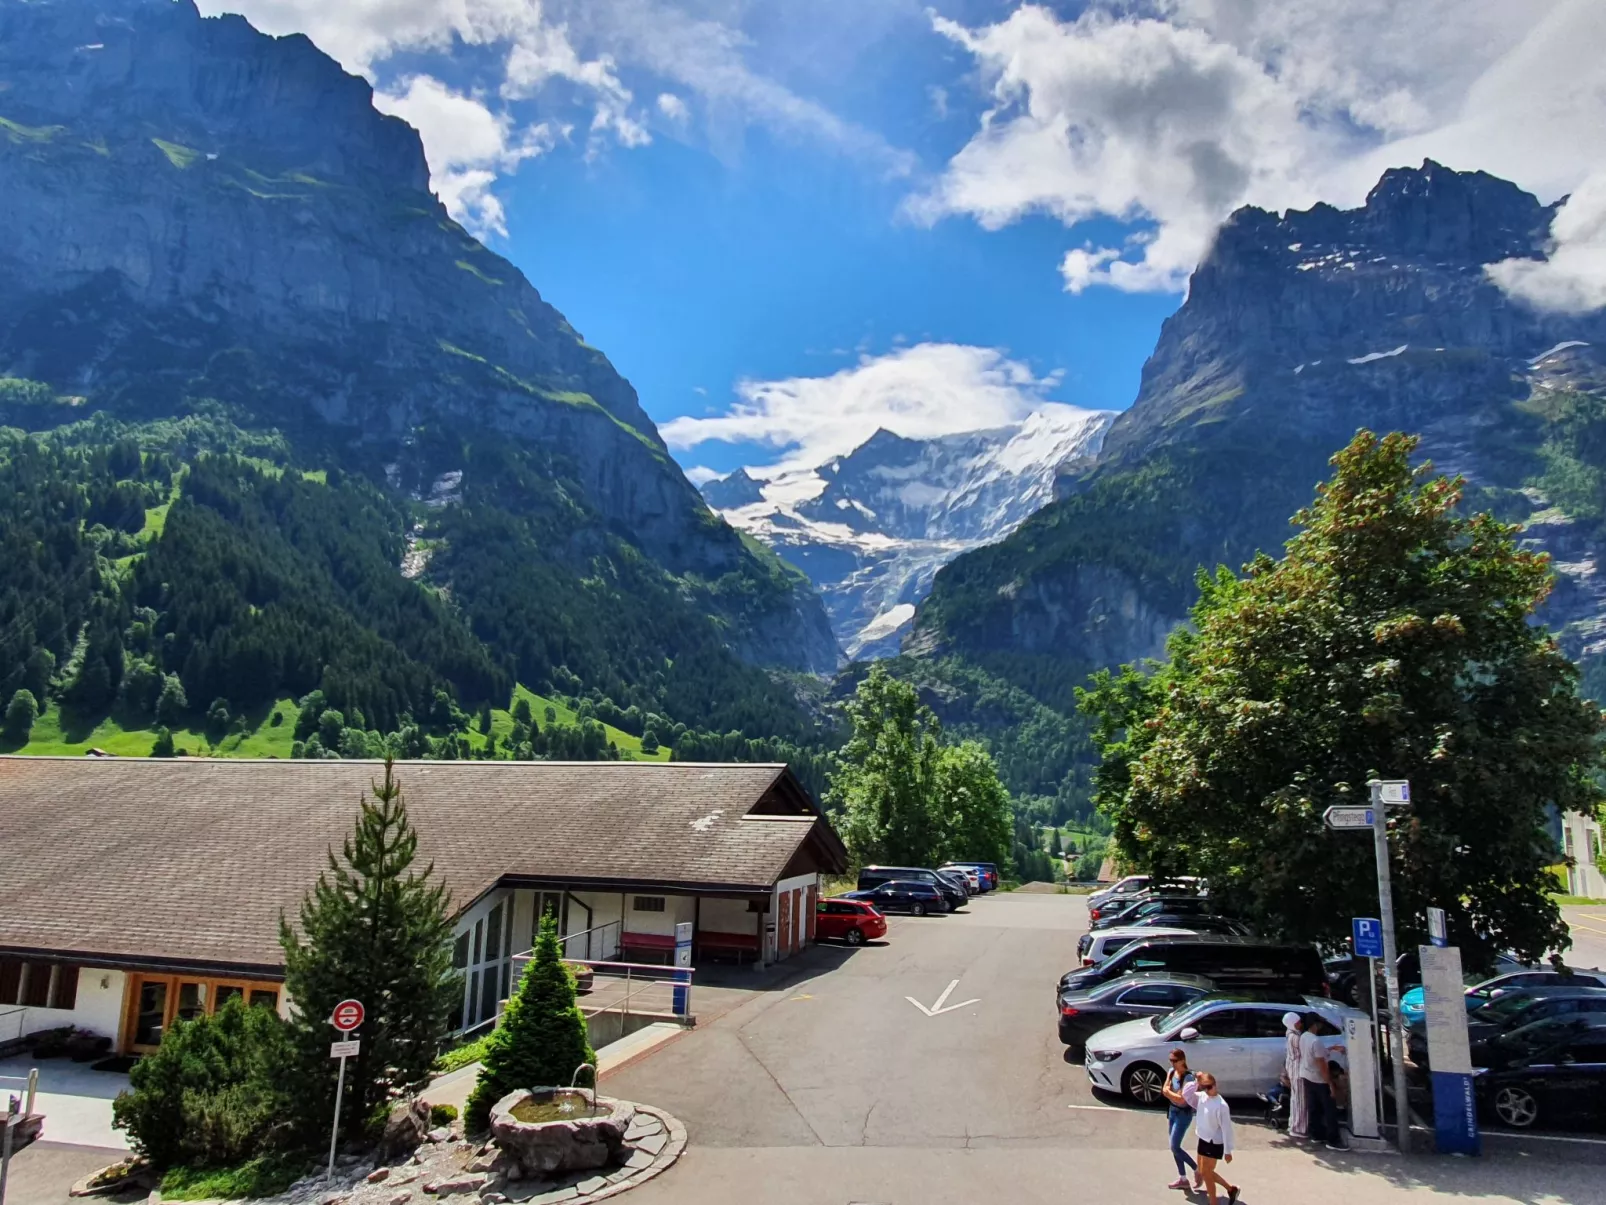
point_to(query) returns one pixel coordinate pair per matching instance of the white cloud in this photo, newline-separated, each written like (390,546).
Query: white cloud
(672,107)
(919,392)
(1172,113)
(1573,279)
(467,145)
(701,474)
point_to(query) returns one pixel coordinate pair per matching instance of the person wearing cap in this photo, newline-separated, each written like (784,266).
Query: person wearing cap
(1291,1077)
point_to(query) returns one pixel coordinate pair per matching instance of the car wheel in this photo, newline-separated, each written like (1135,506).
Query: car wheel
(1143,1083)
(917,908)
(854,937)
(1516,1107)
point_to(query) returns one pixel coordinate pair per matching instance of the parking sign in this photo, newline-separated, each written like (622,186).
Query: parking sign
(1367,932)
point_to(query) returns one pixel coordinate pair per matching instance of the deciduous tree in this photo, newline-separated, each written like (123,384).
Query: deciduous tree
(1395,639)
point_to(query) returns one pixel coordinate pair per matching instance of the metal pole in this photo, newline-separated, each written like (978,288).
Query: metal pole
(7,1125)
(334,1133)
(1391,969)
(1377,1038)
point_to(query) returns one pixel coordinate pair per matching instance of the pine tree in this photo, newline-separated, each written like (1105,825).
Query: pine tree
(163,745)
(21,712)
(542,1039)
(376,930)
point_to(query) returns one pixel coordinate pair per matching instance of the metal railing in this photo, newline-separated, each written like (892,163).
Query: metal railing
(12,1023)
(599,942)
(637,987)
(30,1090)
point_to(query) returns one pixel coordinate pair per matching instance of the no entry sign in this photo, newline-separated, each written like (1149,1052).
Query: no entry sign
(347,1016)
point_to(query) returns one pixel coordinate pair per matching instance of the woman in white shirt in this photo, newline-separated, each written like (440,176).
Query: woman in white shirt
(1212,1122)
(1296,1082)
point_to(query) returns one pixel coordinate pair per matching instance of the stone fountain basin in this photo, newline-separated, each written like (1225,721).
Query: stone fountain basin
(567,1144)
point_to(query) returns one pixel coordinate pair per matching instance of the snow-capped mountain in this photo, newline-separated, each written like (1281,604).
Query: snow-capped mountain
(872,528)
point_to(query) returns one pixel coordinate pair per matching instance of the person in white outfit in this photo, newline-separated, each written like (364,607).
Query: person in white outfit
(1212,1123)
(1291,1076)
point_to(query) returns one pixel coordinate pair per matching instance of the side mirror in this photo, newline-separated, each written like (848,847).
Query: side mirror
(1189,1034)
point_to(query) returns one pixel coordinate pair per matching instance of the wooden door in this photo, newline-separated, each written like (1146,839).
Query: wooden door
(783,931)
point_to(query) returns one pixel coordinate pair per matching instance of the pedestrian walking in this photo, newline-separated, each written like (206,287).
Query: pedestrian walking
(1291,1077)
(1321,1110)
(1179,1116)
(1213,1125)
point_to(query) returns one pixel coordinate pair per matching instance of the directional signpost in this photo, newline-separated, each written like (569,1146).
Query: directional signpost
(1354,818)
(348,1014)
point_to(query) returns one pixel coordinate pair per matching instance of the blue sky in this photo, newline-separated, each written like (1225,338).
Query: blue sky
(789,222)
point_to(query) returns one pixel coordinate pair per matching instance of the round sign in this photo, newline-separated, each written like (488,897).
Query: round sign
(347,1016)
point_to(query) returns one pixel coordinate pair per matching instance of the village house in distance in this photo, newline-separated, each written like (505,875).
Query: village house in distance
(139,890)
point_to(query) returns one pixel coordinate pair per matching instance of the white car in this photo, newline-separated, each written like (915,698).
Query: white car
(1128,887)
(1240,1041)
(972,879)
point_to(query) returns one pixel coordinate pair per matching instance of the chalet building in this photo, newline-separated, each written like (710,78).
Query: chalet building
(134,891)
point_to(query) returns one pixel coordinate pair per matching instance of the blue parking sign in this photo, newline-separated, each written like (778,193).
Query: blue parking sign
(1368,934)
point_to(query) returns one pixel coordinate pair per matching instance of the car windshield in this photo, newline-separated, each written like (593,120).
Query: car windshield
(1504,1008)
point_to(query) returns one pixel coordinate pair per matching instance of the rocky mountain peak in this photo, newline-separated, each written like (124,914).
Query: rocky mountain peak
(1435,211)
(732,491)
(213,84)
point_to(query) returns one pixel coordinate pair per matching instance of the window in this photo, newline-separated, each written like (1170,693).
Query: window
(488,995)
(648,903)
(1225,1023)
(479,932)
(264,998)
(1264,1024)
(493,934)
(30,983)
(460,951)
(1153,993)
(1589,1050)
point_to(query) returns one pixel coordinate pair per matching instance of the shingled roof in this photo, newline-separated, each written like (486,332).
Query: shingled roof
(190,861)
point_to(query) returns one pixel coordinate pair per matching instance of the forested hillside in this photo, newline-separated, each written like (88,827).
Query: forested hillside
(277,429)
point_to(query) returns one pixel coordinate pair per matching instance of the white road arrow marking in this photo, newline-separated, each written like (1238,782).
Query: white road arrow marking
(941,1000)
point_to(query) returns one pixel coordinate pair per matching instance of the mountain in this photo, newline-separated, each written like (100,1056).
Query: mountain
(290,427)
(872,528)
(1297,330)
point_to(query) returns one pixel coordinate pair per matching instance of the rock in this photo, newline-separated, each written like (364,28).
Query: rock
(596,1184)
(467,1182)
(492,1198)
(651,1143)
(399,1198)
(404,1128)
(378,1174)
(439,1135)
(485,1163)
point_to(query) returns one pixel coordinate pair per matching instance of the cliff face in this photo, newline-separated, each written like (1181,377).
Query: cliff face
(1298,330)
(187,199)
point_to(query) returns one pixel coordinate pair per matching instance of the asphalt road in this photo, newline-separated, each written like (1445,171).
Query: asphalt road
(832,1087)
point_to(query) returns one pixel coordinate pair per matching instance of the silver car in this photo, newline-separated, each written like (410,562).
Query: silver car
(1240,1041)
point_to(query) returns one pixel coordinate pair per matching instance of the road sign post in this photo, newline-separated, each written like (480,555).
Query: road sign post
(1382,794)
(347,1015)
(1438,931)
(1342,817)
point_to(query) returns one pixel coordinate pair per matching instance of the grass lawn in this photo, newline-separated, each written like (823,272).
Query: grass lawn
(1576,900)
(261,738)
(502,726)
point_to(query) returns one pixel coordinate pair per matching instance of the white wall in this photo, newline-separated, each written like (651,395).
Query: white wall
(775,942)
(97,1009)
(726,916)
(677,909)
(1581,839)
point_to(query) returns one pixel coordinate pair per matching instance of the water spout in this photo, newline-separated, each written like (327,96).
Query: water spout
(575,1078)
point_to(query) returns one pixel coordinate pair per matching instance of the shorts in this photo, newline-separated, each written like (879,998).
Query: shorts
(1210,1150)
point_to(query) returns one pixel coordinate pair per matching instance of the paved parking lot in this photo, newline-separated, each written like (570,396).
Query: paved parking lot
(836,1089)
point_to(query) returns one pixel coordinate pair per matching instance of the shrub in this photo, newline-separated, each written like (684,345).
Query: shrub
(542,1039)
(211,1095)
(442,1115)
(21,712)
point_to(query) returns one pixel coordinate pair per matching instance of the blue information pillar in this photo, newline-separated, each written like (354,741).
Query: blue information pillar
(1455,1111)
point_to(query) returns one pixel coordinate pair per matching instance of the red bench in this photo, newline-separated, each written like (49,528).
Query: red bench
(727,943)
(650,943)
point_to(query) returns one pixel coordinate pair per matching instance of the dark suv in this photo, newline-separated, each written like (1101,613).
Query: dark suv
(872,877)
(1232,962)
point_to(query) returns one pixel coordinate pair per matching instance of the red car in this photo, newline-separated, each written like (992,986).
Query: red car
(851,921)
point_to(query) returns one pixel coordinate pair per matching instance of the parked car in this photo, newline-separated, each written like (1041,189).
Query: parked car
(957,879)
(902,895)
(1094,948)
(1147,904)
(970,874)
(852,921)
(874,876)
(1130,886)
(1233,962)
(1519,1007)
(1147,994)
(986,873)
(1552,1071)
(1239,1039)
(1227,925)
(1511,974)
